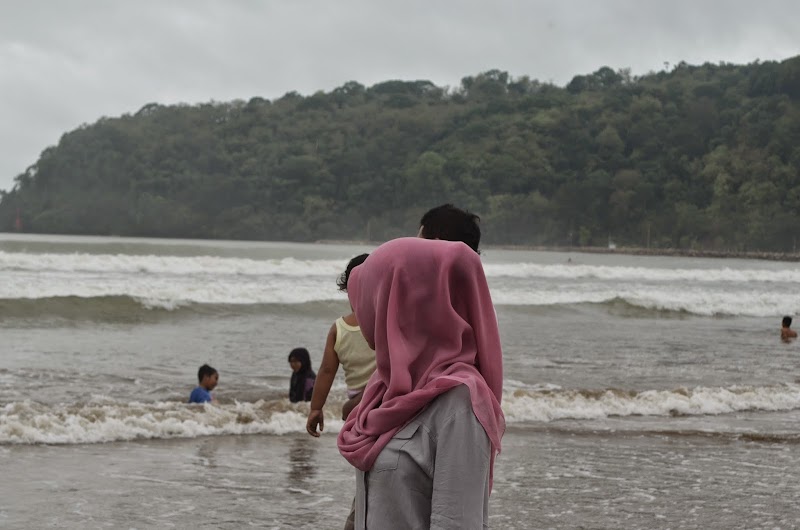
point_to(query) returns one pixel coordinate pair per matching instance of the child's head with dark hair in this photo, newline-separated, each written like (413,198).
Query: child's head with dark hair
(451,224)
(300,358)
(355,262)
(207,377)
(205,371)
(786,322)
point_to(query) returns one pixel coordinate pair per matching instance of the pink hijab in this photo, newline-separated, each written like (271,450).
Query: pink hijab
(425,308)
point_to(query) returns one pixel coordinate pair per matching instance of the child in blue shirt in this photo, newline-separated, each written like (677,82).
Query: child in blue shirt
(208,378)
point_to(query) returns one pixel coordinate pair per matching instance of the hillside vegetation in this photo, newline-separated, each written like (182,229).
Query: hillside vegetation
(694,157)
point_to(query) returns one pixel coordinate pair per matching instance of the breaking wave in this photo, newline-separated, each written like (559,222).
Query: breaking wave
(107,420)
(552,405)
(28,422)
(61,283)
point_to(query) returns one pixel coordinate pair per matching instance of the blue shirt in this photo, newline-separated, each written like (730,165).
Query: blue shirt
(200,395)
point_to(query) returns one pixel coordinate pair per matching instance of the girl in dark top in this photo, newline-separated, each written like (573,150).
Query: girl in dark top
(303,377)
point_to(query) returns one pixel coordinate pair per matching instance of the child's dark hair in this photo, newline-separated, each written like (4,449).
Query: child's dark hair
(452,224)
(786,322)
(355,262)
(301,355)
(204,372)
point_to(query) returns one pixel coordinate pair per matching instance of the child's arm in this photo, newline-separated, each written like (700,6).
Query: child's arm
(322,386)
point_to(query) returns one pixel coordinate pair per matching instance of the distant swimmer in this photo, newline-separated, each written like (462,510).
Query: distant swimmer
(787,333)
(208,378)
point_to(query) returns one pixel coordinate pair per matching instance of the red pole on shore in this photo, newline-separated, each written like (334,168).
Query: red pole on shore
(18,222)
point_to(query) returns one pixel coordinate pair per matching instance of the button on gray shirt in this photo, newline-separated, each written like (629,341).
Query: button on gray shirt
(434,473)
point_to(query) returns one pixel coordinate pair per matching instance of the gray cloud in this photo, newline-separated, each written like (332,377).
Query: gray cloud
(67,63)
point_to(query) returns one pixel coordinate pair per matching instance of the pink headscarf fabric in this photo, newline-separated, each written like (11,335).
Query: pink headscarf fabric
(425,308)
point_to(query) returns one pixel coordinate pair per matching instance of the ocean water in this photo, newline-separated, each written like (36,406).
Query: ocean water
(640,392)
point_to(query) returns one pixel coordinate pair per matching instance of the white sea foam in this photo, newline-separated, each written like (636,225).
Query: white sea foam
(790,274)
(691,299)
(538,406)
(104,420)
(214,265)
(169,265)
(171,282)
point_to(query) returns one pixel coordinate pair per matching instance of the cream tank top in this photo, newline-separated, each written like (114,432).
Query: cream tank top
(355,355)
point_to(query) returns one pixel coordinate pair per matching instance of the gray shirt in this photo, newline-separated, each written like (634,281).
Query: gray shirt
(434,473)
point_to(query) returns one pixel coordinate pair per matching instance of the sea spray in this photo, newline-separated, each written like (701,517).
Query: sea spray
(551,405)
(106,420)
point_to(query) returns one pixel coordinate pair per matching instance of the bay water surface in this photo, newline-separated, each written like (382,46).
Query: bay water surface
(640,392)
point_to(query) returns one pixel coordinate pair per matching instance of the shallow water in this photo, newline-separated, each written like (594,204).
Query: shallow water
(640,392)
(544,479)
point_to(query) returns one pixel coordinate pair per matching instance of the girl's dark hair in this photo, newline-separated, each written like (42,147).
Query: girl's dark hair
(302,355)
(355,262)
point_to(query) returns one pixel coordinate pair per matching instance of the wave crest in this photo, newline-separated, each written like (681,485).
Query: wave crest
(550,405)
(125,308)
(106,420)
(32,423)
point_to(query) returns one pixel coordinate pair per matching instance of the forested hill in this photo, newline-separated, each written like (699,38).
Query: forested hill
(694,157)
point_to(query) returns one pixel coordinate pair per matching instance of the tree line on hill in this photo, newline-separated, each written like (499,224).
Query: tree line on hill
(691,157)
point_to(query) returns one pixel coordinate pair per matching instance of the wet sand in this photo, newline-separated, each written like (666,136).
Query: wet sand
(549,478)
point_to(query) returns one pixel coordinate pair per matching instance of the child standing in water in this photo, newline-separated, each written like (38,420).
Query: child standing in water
(302,384)
(207,377)
(346,346)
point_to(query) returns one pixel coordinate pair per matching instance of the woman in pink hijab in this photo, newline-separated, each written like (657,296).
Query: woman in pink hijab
(424,438)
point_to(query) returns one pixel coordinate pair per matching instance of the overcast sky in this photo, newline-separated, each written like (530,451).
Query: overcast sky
(64,63)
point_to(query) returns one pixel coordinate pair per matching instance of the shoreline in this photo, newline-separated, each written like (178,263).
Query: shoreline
(669,252)
(632,251)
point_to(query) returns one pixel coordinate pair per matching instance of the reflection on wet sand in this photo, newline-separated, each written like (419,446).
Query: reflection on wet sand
(301,455)
(207,452)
